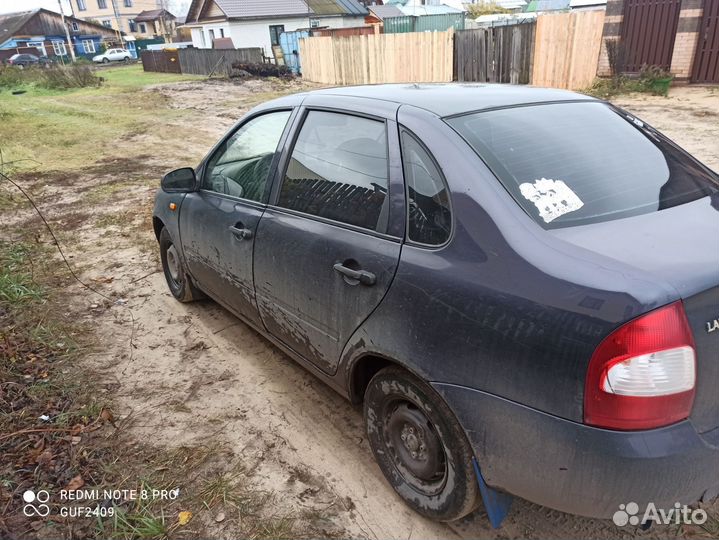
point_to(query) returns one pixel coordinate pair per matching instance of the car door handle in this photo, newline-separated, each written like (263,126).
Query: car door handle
(364,277)
(241,234)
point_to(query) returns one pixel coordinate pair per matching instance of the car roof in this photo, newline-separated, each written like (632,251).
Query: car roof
(455,98)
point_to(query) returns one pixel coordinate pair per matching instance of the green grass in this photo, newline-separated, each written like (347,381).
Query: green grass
(17,287)
(65,129)
(133,76)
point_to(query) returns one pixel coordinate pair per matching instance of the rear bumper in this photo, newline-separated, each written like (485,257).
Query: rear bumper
(580,469)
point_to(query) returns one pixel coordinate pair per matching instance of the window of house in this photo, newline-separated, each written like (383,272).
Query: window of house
(75,27)
(314,23)
(132,25)
(107,22)
(81,6)
(58,48)
(39,45)
(222,32)
(102,4)
(128,3)
(88,46)
(338,170)
(275,31)
(242,164)
(212,35)
(428,214)
(143,28)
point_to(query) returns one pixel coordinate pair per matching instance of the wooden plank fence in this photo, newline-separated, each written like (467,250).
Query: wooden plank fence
(204,61)
(381,58)
(165,61)
(566,50)
(500,54)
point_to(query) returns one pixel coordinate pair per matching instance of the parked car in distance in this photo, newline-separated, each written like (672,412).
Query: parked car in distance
(24,60)
(113,55)
(521,276)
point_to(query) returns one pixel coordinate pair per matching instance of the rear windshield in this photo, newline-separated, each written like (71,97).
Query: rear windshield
(570,164)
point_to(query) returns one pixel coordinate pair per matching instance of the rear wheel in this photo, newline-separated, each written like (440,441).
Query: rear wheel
(419,445)
(178,281)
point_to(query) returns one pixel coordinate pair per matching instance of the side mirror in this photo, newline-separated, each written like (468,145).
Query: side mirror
(179,181)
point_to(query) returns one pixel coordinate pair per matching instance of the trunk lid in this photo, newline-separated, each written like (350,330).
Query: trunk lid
(678,246)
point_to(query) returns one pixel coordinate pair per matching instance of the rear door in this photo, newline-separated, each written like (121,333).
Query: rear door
(328,247)
(219,222)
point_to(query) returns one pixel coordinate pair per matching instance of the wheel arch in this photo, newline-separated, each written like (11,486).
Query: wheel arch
(157,226)
(362,369)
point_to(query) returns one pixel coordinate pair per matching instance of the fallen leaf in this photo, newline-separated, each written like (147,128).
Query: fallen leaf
(220,517)
(75,484)
(75,440)
(184,518)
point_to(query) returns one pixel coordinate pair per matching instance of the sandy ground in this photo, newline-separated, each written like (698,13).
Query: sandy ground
(192,373)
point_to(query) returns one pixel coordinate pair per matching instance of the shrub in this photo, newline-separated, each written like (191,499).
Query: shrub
(485,8)
(72,76)
(260,70)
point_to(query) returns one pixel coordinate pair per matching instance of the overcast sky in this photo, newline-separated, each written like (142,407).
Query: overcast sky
(177,7)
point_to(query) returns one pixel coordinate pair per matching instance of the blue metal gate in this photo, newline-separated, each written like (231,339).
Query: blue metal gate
(290,43)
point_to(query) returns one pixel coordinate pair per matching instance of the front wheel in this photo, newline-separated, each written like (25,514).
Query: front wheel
(178,281)
(419,446)
(105,60)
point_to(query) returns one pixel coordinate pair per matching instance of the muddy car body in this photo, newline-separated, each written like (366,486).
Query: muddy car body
(440,253)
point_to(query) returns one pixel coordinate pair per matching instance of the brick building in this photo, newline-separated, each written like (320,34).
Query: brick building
(680,36)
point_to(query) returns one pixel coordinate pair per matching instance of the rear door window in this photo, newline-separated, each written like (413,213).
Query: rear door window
(339,170)
(429,218)
(572,164)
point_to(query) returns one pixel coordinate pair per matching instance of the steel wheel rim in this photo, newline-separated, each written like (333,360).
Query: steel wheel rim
(414,447)
(173,264)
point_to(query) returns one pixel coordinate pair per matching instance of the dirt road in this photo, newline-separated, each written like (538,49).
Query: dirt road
(193,374)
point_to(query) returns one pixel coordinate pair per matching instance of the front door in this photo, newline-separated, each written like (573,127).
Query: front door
(323,258)
(219,222)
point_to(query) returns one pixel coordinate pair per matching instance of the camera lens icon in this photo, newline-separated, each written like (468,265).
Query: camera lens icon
(40,497)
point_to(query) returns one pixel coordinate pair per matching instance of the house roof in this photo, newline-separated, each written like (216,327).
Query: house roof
(258,9)
(548,5)
(12,23)
(414,9)
(382,12)
(154,14)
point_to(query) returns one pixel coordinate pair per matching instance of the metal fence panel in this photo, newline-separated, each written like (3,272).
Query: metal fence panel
(424,23)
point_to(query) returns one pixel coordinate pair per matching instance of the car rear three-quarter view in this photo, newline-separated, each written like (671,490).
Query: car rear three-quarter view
(521,286)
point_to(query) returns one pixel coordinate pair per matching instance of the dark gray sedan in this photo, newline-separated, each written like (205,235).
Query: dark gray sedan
(521,285)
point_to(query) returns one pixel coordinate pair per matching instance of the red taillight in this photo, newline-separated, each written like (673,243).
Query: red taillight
(642,375)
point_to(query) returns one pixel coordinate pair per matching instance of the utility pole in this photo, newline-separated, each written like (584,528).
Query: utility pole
(67,32)
(116,11)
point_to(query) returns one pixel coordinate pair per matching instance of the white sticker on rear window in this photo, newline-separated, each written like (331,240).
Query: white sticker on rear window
(553,198)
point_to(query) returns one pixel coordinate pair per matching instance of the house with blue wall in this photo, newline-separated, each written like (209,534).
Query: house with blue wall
(43,30)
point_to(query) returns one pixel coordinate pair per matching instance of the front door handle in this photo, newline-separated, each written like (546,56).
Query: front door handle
(241,234)
(364,277)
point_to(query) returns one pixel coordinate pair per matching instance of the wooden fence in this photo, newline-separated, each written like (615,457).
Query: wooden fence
(559,51)
(501,54)
(205,61)
(165,61)
(381,58)
(198,61)
(566,50)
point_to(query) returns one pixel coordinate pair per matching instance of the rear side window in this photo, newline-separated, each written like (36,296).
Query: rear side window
(572,164)
(429,218)
(338,170)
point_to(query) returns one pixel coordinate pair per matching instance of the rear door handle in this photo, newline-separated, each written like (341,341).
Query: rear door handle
(364,277)
(241,234)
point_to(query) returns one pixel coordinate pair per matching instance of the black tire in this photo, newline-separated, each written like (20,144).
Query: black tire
(180,283)
(105,61)
(419,446)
